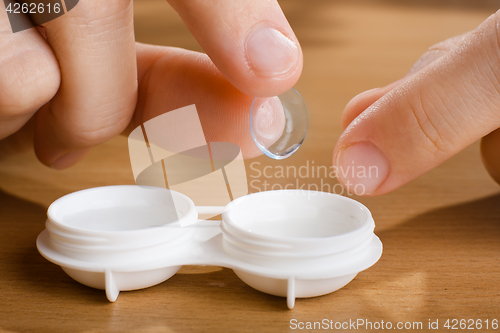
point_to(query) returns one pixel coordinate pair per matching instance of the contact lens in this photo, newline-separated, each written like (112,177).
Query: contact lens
(279,124)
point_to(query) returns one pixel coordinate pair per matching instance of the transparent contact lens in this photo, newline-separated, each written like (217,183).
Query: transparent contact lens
(279,124)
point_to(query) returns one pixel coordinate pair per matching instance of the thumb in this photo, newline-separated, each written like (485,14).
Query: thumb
(434,114)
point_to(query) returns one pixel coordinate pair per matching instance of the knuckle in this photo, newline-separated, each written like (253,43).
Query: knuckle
(449,44)
(90,138)
(426,130)
(27,82)
(89,132)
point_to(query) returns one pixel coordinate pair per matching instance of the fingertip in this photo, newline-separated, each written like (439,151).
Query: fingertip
(264,71)
(362,168)
(250,42)
(59,147)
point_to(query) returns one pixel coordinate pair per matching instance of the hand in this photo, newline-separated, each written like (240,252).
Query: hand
(448,100)
(81,85)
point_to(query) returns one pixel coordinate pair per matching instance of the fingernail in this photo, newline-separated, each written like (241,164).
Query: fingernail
(269,52)
(362,168)
(67,160)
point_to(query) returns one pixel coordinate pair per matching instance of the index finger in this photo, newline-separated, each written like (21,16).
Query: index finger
(250,42)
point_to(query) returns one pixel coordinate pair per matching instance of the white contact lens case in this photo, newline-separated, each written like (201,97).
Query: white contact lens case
(290,243)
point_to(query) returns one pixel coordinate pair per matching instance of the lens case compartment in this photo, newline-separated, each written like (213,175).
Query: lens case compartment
(289,243)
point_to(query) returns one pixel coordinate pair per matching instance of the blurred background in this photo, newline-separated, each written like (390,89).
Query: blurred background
(440,232)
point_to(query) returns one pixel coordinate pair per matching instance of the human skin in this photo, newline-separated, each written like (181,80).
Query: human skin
(449,99)
(86,80)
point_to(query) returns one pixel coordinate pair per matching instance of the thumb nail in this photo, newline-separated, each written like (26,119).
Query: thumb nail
(271,53)
(362,167)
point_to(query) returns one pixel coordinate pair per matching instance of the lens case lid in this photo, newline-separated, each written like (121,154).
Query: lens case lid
(289,243)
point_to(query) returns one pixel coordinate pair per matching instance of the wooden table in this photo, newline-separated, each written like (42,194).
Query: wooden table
(441,232)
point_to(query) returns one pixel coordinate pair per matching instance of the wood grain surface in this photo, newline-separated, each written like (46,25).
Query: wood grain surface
(441,232)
